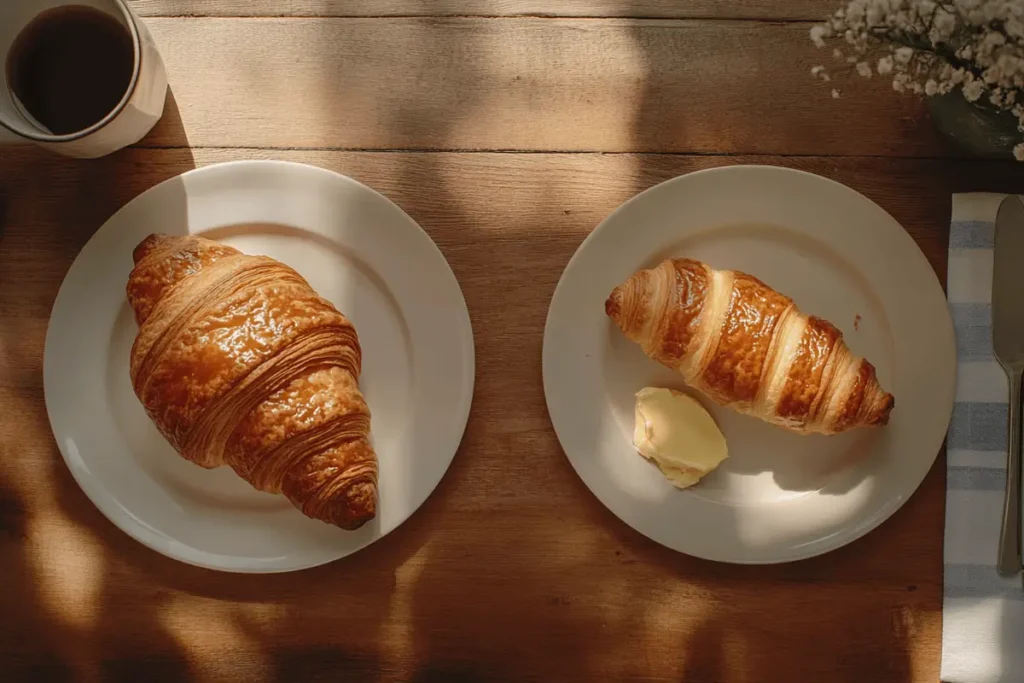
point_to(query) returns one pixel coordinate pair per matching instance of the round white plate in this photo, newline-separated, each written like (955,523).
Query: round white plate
(357,249)
(779,496)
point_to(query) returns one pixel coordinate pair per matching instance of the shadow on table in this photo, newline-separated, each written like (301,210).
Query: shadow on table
(563,590)
(527,606)
(169,131)
(69,593)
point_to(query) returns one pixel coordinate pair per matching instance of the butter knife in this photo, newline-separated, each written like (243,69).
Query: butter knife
(1008,345)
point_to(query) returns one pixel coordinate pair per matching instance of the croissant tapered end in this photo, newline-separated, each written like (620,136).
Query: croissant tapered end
(149,245)
(613,305)
(626,305)
(350,509)
(161,261)
(337,485)
(356,508)
(878,415)
(875,403)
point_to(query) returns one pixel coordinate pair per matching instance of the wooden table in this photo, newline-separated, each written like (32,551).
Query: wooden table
(508,129)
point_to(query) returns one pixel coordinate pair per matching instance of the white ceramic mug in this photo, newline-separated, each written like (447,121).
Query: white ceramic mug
(134,115)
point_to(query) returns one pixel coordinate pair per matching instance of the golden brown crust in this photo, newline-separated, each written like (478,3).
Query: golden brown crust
(733,373)
(630,314)
(212,351)
(238,361)
(337,485)
(849,409)
(802,389)
(689,282)
(674,321)
(181,258)
(748,346)
(878,409)
(865,403)
(307,403)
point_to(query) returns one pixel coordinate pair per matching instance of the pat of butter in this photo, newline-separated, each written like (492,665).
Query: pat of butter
(678,434)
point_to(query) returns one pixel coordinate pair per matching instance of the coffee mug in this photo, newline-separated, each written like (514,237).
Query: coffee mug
(134,115)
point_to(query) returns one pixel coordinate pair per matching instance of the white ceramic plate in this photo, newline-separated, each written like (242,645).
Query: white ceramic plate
(779,496)
(358,250)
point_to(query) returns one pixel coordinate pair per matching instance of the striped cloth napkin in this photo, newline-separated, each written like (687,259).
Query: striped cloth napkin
(983,613)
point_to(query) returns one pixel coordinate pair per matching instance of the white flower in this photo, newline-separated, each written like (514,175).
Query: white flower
(898,86)
(931,87)
(1010,66)
(1015,27)
(972,11)
(875,14)
(994,10)
(818,35)
(991,41)
(885,65)
(1018,151)
(864,69)
(836,94)
(855,13)
(837,53)
(993,74)
(903,55)
(973,90)
(944,23)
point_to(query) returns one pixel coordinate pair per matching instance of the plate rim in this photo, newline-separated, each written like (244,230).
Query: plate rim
(136,529)
(853,531)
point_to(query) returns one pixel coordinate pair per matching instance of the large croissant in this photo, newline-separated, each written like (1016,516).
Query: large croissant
(748,347)
(239,362)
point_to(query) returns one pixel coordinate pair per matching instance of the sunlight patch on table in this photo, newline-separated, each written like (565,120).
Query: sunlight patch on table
(212,639)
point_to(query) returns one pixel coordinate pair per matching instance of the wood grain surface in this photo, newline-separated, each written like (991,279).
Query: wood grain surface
(508,139)
(710,87)
(512,571)
(677,9)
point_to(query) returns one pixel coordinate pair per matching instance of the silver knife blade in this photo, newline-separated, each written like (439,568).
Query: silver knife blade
(1008,346)
(1007,268)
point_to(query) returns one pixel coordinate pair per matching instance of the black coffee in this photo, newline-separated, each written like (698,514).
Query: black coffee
(71,66)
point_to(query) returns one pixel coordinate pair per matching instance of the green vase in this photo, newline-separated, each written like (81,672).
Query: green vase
(976,128)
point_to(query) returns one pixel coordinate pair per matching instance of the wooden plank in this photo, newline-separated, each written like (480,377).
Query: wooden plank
(651,9)
(512,570)
(522,84)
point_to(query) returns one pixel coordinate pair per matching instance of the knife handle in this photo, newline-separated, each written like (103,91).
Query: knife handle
(1010,540)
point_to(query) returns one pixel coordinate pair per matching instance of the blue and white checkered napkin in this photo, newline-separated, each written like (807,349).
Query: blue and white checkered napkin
(983,613)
